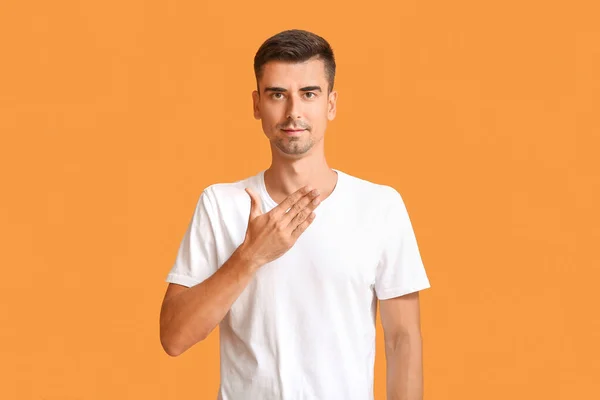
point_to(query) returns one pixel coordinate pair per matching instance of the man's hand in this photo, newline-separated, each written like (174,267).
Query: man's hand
(272,234)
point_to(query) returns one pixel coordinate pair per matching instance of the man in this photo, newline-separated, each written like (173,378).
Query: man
(291,261)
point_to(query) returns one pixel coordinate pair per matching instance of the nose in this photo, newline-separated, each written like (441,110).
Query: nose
(293,108)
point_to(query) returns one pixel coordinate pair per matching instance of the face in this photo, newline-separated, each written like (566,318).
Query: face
(293,96)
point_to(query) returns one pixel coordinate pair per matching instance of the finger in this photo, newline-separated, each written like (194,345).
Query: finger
(304,213)
(302,227)
(289,201)
(254,204)
(300,205)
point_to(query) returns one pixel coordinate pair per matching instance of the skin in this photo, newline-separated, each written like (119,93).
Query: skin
(400,319)
(296,160)
(188,315)
(288,96)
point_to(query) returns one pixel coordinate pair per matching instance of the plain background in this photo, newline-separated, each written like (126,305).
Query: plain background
(115,115)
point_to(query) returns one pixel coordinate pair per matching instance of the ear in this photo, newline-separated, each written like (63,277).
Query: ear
(255,104)
(331,105)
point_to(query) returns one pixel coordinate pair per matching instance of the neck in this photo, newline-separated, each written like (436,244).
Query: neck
(284,177)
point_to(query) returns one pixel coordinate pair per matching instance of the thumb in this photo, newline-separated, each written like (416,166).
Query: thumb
(254,204)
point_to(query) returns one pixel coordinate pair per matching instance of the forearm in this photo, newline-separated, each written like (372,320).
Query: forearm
(404,376)
(191,315)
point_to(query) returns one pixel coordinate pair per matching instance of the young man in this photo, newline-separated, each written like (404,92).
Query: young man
(292,275)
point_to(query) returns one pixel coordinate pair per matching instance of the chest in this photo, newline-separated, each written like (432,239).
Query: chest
(332,255)
(330,268)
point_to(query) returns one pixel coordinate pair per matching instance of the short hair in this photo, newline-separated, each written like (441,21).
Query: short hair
(295,45)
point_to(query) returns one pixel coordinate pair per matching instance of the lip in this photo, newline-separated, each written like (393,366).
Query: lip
(292,131)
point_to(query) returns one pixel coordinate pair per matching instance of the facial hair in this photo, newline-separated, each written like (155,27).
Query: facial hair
(294,145)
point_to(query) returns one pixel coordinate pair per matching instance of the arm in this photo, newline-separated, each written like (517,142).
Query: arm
(400,318)
(188,315)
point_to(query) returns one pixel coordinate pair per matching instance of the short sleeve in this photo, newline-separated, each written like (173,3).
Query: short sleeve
(400,270)
(197,256)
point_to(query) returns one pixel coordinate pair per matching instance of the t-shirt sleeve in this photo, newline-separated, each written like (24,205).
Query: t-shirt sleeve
(400,270)
(197,256)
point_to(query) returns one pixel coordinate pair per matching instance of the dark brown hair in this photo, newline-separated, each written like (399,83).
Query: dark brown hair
(295,45)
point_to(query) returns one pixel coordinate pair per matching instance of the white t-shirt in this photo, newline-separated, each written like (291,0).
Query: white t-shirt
(304,327)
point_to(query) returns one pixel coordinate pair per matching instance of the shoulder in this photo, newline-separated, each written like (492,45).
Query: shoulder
(375,194)
(223,194)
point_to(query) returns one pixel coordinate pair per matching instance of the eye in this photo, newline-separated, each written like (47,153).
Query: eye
(275,94)
(314,95)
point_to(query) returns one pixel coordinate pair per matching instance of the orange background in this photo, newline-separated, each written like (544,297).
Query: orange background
(115,115)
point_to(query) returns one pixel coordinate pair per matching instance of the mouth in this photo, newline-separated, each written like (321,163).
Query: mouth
(292,132)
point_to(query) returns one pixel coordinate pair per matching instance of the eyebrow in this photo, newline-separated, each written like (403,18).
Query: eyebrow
(280,89)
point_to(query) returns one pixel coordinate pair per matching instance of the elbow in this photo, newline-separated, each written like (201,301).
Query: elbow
(168,334)
(170,352)
(169,347)
(175,339)
(174,346)
(169,340)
